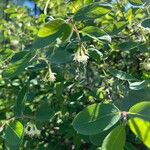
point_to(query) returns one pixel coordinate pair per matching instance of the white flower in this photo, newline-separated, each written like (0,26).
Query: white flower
(81,56)
(32,130)
(14,42)
(145,29)
(52,77)
(146,65)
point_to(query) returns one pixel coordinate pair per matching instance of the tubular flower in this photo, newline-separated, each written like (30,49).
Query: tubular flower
(32,130)
(81,56)
(51,75)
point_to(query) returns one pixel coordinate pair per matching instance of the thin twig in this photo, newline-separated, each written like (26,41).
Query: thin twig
(46,6)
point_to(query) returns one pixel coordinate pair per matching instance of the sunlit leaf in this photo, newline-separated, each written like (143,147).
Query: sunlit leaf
(56,29)
(14,133)
(141,129)
(92,11)
(51,28)
(138,85)
(136,2)
(141,110)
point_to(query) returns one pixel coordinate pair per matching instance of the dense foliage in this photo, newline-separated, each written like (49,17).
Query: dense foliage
(76,76)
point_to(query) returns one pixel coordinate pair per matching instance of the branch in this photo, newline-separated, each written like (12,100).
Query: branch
(46,6)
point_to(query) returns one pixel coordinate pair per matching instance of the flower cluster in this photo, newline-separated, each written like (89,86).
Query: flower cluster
(81,56)
(50,76)
(32,130)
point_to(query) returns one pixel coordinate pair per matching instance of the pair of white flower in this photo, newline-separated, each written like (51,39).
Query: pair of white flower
(32,130)
(81,56)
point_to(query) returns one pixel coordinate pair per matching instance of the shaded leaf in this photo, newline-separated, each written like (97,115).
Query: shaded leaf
(128,45)
(96,33)
(115,28)
(19,105)
(18,67)
(44,112)
(129,146)
(146,23)
(60,57)
(95,54)
(98,138)
(96,118)
(122,75)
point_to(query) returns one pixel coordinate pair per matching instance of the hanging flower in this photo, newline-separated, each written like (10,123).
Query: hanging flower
(32,130)
(51,75)
(81,55)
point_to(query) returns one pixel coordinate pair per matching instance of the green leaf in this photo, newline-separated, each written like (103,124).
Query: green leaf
(51,28)
(141,110)
(67,30)
(18,56)
(96,33)
(10,10)
(122,75)
(139,2)
(129,45)
(136,2)
(56,29)
(115,139)
(138,85)
(14,133)
(115,28)
(92,11)
(98,138)
(95,54)
(96,118)
(44,112)
(60,57)
(5,54)
(18,67)
(140,128)
(146,23)
(19,105)
(129,146)
(93,31)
